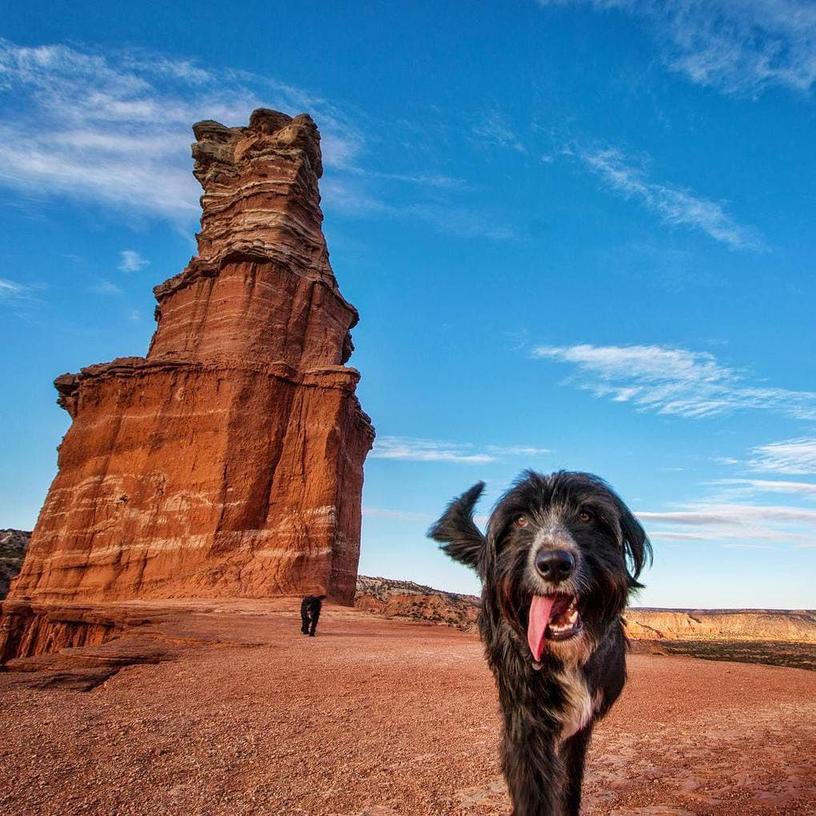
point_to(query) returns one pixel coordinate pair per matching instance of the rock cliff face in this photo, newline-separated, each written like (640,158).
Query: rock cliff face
(229,461)
(778,625)
(405,599)
(12,548)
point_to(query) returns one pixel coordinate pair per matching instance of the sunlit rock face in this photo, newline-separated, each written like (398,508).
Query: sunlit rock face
(229,461)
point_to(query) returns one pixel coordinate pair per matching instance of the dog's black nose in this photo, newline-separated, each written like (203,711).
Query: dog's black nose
(555,565)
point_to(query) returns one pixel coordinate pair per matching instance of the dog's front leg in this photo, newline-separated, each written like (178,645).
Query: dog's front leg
(573,753)
(533,773)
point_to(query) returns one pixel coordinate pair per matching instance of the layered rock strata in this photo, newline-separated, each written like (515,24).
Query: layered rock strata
(229,461)
(405,599)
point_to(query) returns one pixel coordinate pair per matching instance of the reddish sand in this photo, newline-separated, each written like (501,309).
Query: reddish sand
(375,717)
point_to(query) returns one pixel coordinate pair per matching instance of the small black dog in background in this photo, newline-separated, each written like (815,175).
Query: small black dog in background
(310,608)
(561,554)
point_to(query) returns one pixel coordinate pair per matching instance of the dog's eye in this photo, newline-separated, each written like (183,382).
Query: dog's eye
(585,516)
(521,521)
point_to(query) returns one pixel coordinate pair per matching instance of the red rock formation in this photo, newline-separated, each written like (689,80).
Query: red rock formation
(405,599)
(229,461)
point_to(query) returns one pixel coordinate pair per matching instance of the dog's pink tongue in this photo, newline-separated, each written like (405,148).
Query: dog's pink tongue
(540,609)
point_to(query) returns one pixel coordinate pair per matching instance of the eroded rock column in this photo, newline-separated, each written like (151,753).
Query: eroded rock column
(229,461)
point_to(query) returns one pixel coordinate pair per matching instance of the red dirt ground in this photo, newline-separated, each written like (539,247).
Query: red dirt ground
(376,717)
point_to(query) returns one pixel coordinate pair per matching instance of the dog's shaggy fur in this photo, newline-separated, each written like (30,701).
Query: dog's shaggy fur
(565,544)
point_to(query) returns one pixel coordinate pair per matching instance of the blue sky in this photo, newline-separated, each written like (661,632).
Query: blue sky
(579,234)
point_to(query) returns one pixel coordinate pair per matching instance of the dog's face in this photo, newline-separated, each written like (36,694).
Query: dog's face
(554,560)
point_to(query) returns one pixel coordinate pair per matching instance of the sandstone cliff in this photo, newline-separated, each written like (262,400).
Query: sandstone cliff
(780,625)
(229,461)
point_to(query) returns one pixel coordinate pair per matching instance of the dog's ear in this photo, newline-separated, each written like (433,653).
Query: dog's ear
(458,534)
(636,544)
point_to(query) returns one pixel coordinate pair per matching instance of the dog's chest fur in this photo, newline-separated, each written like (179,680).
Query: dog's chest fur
(579,704)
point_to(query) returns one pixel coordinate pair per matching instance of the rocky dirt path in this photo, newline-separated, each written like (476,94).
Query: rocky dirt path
(377,717)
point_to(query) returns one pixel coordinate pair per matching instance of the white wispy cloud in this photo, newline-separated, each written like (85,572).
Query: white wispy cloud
(421,179)
(495,129)
(730,525)
(433,450)
(673,381)
(427,450)
(356,200)
(754,486)
(460,221)
(790,456)
(725,460)
(735,46)
(717,514)
(517,450)
(350,197)
(115,127)
(675,205)
(106,287)
(19,298)
(734,524)
(131,261)
(11,290)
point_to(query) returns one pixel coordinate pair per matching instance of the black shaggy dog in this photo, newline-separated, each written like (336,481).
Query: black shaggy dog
(561,554)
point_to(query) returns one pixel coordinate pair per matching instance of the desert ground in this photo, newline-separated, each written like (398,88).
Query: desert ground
(225,708)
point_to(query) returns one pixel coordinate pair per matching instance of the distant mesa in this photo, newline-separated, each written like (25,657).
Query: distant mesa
(228,462)
(778,637)
(405,599)
(13,544)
